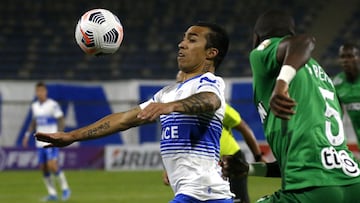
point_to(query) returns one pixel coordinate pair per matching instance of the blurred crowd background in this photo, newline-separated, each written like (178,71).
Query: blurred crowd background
(37,36)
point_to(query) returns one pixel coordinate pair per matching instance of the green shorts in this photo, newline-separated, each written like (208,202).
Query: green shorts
(329,194)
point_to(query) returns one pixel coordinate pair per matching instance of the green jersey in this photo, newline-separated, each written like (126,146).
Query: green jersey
(349,96)
(310,147)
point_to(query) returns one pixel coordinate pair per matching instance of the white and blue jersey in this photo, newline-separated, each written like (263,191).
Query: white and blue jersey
(190,143)
(46,115)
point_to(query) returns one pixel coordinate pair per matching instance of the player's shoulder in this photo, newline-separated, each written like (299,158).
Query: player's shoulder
(35,103)
(210,77)
(51,101)
(264,49)
(169,87)
(267,43)
(167,90)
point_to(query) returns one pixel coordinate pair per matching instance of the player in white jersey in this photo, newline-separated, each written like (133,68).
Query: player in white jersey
(47,118)
(191,116)
(193,139)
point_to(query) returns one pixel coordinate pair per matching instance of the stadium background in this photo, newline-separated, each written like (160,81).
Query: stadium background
(37,43)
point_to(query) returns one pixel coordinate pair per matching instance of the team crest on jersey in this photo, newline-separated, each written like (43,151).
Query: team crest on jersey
(263,45)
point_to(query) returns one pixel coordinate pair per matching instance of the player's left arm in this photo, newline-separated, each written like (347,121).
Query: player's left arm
(106,126)
(202,102)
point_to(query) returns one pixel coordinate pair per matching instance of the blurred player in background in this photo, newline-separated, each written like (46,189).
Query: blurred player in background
(47,118)
(301,116)
(230,147)
(347,84)
(191,118)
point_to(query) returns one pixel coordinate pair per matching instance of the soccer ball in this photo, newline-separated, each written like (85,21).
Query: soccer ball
(99,32)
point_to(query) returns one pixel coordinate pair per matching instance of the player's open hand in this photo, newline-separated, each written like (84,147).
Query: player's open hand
(59,139)
(280,102)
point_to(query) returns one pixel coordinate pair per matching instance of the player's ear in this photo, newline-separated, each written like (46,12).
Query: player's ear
(211,53)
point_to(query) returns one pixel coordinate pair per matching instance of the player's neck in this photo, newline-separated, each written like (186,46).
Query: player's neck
(42,100)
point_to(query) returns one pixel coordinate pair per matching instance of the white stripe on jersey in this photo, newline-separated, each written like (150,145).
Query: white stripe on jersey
(186,147)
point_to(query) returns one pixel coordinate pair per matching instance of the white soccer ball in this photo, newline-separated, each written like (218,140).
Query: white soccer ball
(98,32)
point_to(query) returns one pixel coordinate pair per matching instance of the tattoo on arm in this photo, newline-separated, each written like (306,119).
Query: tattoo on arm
(200,103)
(94,132)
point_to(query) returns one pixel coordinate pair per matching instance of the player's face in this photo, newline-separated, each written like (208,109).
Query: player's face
(349,59)
(41,93)
(192,55)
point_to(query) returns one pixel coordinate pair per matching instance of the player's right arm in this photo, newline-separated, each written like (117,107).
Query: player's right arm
(106,126)
(292,53)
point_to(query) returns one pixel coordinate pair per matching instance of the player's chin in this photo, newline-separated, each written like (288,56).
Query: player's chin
(181,62)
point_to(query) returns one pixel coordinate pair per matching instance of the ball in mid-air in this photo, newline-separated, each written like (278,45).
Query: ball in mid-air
(99,32)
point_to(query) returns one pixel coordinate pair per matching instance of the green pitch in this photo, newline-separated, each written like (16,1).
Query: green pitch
(93,186)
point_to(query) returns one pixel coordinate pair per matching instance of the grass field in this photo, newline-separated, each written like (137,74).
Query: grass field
(93,186)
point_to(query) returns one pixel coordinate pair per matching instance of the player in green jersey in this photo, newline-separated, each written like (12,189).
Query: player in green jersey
(301,116)
(347,84)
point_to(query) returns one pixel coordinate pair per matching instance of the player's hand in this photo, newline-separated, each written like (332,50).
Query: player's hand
(234,165)
(280,102)
(59,139)
(152,111)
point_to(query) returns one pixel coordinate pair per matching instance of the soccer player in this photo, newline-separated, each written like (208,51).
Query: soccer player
(301,116)
(191,116)
(347,84)
(230,147)
(47,118)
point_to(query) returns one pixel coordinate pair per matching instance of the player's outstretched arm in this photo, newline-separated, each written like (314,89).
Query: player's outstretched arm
(198,103)
(106,126)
